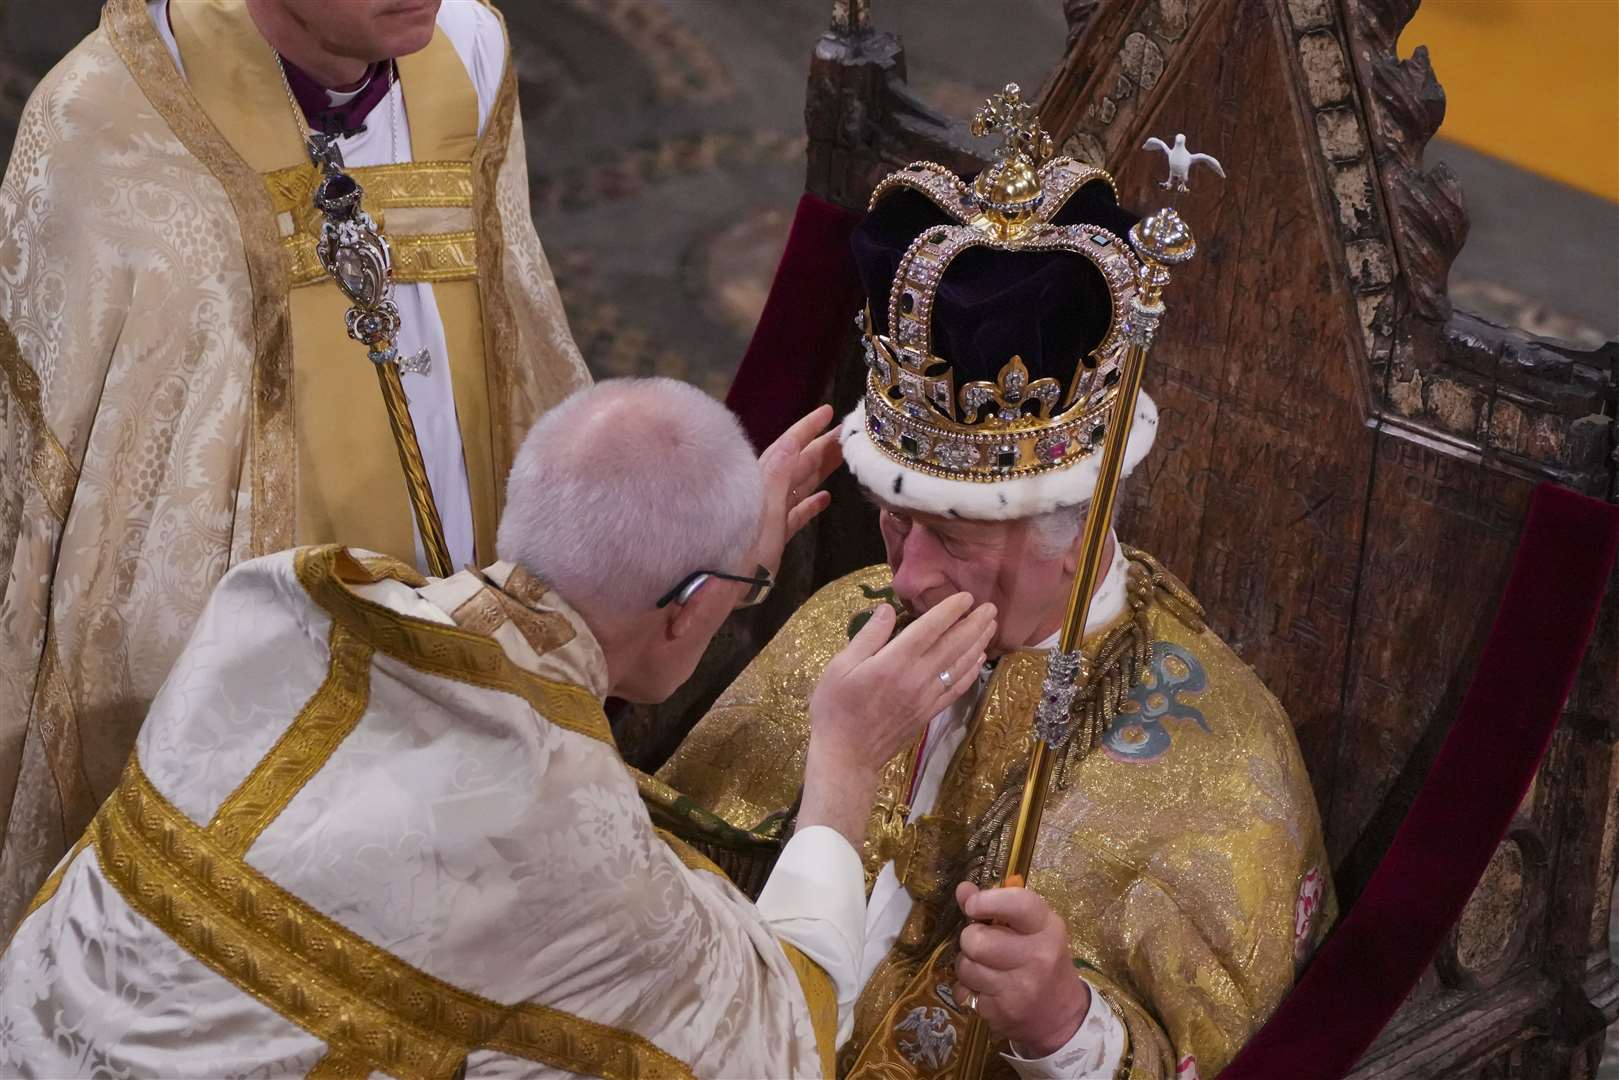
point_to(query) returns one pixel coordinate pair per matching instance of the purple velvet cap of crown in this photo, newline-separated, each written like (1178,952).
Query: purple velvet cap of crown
(1049,307)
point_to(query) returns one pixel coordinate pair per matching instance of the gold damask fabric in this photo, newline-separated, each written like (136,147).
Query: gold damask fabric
(1184,853)
(148,399)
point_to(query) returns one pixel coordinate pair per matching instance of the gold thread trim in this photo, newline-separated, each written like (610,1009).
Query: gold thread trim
(365,1003)
(500,344)
(133,36)
(574,1044)
(446,651)
(417,258)
(303,749)
(545,631)
(51,708)
(381,567)
(409,183)
(56,718)
(822,998)
(339,1066)
(480,613)
(48,889)
(54,473)
(354,996)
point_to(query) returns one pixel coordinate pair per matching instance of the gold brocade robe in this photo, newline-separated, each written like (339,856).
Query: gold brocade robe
(1184,853)
(177,391)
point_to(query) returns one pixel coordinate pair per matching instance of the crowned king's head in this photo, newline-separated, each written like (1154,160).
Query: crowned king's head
(993,329)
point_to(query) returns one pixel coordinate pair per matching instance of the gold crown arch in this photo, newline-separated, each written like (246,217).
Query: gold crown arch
(990,431)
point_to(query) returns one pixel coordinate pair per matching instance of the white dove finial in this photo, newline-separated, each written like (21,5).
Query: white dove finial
(1181,161)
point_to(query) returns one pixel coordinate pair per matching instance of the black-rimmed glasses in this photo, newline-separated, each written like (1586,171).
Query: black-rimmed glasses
(689,584)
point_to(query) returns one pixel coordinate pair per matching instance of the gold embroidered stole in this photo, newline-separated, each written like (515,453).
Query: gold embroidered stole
(348,487)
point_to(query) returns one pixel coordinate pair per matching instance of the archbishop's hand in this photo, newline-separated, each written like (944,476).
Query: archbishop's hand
(876,695)
(1015,959)
(794,466)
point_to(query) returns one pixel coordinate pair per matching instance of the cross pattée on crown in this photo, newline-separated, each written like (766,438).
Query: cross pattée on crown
(907,368)
(1019,126)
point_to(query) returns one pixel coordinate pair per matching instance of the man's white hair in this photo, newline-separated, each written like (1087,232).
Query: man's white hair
(628,486)
(1057,531)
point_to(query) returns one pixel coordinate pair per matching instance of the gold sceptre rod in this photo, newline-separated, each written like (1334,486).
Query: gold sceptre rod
(1161,240)
(354,252)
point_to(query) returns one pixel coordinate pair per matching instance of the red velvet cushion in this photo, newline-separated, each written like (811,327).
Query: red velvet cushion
(807,323)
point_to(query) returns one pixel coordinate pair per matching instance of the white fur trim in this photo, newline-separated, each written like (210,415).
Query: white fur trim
(1001,500)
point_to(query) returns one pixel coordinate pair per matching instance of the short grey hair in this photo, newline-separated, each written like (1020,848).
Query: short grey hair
(628,486)
(1057,531)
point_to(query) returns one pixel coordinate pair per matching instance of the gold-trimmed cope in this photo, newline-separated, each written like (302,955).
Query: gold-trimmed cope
(364,1002)
(446,651)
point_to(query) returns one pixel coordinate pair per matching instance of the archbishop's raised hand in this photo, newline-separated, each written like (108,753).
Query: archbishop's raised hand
(794,467)
(876,695)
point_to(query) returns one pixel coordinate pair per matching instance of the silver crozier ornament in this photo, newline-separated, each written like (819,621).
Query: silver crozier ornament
(355,253)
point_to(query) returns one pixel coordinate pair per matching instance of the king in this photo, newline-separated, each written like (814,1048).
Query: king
(1178,877)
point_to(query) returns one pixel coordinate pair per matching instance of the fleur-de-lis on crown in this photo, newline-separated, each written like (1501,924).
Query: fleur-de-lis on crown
(1019,126)
(1009,393)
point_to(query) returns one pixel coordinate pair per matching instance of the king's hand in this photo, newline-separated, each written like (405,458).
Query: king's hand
(1015,959)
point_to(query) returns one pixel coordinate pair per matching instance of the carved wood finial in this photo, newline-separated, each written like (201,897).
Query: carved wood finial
(1429,215)
(849,16)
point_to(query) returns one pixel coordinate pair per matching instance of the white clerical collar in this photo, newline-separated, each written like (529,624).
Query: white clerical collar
(336,98)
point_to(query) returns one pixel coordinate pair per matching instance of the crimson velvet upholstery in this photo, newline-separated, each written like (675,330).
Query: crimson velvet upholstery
(806,324)
(1381,947)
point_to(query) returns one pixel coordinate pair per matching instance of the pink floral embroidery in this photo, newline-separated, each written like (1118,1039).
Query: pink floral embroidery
(1310,890)
(1187,1069)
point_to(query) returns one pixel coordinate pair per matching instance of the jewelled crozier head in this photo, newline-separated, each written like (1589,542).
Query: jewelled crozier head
(993,329)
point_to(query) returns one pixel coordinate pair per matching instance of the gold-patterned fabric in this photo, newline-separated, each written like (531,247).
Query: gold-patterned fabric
(149,398)
(1184,854)
(358,837)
